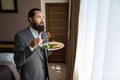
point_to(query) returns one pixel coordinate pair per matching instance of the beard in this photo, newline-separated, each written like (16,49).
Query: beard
(38,27)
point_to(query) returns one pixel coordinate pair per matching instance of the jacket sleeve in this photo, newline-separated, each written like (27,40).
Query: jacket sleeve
(22,52)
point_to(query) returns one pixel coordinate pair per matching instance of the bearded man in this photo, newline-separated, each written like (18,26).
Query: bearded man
(30,57)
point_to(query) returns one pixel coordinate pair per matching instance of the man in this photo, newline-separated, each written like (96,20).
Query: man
(30,58)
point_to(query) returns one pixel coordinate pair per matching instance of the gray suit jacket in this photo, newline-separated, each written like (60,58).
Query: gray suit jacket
(32,64)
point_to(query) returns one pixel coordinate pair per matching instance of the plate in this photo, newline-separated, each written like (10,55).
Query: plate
(52,46)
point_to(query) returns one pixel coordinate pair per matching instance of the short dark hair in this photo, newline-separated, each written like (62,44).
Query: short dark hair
(31,12)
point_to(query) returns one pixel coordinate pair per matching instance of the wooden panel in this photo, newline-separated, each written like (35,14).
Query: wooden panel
(6,46)
(58,7)
(58,38)
(58,23)
(57,59)
(57,30)
(56,18)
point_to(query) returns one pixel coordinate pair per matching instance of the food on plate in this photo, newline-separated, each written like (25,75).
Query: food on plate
(51,46)
(47,46)
(56,45)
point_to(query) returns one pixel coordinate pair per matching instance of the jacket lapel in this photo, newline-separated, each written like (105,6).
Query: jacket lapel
(31,37)
(40,54)
(38,50)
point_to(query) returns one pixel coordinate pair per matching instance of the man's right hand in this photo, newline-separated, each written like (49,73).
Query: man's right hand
(36,42)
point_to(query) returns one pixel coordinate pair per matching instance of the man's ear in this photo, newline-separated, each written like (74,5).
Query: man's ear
(30,19)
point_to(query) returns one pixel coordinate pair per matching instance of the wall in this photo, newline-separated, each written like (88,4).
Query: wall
(10,23)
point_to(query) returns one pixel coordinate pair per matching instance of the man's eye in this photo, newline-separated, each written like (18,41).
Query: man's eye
(40,17)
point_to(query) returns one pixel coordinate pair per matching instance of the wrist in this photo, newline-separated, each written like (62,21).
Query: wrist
(31,48)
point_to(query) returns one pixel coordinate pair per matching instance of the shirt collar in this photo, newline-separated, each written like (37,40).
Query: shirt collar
(35,33)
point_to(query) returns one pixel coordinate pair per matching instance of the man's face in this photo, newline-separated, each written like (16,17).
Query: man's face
(38,21)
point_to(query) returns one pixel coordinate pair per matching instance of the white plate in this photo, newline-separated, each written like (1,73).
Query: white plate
(62,45)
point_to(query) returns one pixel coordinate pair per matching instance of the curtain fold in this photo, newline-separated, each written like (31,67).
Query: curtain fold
(98,45)
(72,36)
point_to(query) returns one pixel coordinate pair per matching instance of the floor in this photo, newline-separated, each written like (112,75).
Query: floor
(57,71)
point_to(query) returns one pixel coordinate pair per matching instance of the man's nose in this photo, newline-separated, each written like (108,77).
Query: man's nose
(42,19)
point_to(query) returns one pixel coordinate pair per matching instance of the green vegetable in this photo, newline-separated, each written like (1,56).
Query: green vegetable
(47,46)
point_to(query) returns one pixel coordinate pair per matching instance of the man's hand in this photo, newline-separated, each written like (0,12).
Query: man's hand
(49,34)
(36,42)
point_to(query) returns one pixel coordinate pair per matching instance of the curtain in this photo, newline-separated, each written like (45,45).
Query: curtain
(72,36)
(98,43)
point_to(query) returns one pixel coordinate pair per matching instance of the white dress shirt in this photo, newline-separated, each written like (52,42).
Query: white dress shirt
(35,34)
